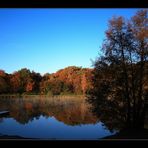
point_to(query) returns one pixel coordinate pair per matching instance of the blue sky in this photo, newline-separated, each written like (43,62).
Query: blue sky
(46,40)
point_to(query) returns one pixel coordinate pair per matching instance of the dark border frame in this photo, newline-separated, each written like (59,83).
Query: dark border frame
(73,4)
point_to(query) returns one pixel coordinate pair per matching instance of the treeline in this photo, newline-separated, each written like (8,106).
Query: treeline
(71,80)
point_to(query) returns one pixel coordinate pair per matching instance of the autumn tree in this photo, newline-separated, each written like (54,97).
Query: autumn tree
(44,84)
(35,81)
(71,76)
(30,86)
(86,79)
(4,87)
(24,80)
(15,82)
(70,80)
(120,75)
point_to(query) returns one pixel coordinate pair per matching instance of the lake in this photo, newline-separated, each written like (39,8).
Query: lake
(50,118)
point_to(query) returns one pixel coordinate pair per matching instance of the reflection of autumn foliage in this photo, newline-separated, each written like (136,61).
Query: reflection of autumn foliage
(71,112)
(28,106)
(76,114)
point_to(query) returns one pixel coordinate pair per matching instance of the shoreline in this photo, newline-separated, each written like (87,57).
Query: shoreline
(42,96)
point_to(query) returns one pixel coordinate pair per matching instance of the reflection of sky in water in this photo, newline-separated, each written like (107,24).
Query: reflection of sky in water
(53,129)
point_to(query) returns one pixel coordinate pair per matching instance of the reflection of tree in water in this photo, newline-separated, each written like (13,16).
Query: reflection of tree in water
(109,113)
(75,114)
(72,112)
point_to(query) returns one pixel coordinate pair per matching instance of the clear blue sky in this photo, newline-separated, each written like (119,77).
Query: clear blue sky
(46,40)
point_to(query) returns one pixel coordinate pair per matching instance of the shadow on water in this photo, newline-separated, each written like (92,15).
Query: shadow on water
(130,134)
(113,117)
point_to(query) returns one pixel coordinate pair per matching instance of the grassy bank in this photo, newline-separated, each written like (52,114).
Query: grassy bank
(42,96)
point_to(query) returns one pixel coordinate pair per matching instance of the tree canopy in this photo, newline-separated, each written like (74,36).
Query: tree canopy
(120,77)
(71,80)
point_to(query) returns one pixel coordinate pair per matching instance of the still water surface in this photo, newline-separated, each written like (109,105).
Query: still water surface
(46,118)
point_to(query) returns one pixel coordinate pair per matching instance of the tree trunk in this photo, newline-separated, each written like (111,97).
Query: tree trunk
(140,93)
(126,90)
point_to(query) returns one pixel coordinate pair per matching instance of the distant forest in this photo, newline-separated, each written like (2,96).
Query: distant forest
(71,80)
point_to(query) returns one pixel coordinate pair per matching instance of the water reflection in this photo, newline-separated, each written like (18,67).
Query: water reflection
(71,112)
(50,118)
